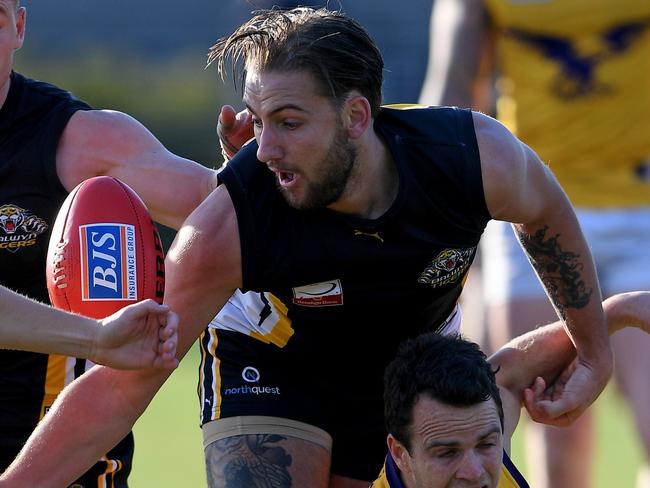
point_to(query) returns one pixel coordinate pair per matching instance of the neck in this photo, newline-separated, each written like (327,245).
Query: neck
(4,90)
(374,182)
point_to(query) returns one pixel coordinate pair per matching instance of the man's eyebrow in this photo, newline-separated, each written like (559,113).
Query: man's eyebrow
(286,106)
(454,443)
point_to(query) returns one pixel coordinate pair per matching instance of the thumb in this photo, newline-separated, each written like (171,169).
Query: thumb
(227,118)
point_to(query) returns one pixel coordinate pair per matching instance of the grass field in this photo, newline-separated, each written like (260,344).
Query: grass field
(169,452)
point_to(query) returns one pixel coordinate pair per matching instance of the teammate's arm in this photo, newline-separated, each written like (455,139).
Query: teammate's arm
(460,55)
(233,130)
(105,142)
(520,189)
(92,414)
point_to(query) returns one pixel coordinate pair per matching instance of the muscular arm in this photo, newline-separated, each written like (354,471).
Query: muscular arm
(460,55)
(520,189)
(547,351)
(97,410)
(104,142)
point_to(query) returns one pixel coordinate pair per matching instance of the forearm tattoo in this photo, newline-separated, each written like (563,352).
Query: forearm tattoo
(559,270)
(244,461)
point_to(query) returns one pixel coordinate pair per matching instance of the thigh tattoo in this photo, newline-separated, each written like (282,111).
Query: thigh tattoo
(248,461)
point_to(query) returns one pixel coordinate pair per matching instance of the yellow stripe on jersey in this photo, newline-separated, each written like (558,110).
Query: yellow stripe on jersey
(210,355)
(54,380)
(508,480)
(404,106)
(281,331)
(107,479)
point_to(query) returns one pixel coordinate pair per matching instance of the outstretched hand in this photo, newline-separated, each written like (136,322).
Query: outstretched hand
(142,335)
(562,402)
(233,129)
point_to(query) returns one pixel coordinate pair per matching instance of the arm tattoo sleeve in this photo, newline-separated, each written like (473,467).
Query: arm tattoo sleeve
(559,270)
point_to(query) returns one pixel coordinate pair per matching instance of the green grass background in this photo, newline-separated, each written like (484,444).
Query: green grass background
(169,451)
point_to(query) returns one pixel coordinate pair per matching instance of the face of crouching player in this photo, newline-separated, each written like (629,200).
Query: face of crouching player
(450,446)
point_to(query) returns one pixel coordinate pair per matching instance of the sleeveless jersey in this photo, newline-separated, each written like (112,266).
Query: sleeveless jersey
(327,281)
(32,120)
(389,477)
(575,78)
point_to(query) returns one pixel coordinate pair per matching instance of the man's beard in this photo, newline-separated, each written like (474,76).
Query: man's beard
(332,178)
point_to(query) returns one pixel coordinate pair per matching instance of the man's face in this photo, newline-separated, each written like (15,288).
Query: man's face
(12,31)
(301,137)
(451,447)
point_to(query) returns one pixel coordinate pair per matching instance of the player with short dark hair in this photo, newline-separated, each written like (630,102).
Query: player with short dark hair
(450,413)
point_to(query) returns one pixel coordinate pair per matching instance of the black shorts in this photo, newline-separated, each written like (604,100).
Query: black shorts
(338,392)
(113,471)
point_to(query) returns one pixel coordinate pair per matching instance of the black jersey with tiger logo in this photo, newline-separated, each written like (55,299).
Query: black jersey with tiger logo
(32,120)
(345,280)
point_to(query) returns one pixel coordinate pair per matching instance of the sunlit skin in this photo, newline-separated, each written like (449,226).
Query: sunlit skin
(322,155)
(451,447)
(12,33)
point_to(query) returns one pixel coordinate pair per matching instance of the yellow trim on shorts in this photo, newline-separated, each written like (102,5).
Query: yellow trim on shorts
(259,424)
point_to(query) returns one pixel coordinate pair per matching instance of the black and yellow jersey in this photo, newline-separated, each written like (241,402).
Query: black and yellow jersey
(328,297)
(32,120)
(338,280)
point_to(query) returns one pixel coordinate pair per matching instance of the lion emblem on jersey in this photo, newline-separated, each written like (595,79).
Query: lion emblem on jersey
(13,218)
(447,267)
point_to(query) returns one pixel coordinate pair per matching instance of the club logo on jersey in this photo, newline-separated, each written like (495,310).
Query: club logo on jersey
(325,294)
(20,228)
(448,267)
(108,262)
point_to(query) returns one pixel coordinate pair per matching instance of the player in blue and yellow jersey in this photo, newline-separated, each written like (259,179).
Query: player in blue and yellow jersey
(450,412)
(572,82)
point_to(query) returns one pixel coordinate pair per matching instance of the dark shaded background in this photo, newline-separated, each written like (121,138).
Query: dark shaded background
(147,57)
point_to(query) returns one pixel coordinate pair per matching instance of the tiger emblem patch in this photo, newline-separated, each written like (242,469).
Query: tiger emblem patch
(19,228)
(447,267)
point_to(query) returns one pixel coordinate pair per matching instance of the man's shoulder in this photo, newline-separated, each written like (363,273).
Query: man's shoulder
(436,124)
(36,89)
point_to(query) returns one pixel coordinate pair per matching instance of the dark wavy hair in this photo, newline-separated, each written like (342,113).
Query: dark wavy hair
(448,369)
(335,49)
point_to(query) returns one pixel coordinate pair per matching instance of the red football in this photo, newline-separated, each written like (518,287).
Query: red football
(105,252)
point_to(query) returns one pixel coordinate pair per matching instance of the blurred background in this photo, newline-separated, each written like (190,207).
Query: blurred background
(147,58)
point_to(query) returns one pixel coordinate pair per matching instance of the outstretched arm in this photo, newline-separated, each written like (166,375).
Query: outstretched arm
(202,271)
(520,189)
(139,336)
(539,357)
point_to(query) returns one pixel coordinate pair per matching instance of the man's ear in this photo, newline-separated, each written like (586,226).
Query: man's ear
(400,454)
(21,14)
(357,116)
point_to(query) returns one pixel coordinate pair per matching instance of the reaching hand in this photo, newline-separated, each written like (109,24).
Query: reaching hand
(567,397)
(142,335)
(233,129)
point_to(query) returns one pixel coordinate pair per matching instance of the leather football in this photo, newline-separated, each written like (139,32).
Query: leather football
(104,252)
